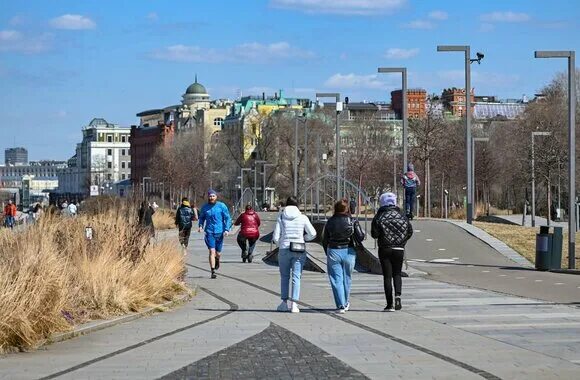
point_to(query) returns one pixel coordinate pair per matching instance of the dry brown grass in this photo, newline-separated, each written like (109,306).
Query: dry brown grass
(52,277)
(164,219)
(523,240)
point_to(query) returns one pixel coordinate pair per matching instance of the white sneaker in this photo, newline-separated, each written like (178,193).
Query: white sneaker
(283,307)
(347,307)
(294,308)
(389,309)
(341,310)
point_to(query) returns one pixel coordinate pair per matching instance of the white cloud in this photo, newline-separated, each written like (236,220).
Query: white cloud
(486,27)
(351,80)
(13,40)
(397,53)
(252,52)
(420,24)
(72,22)
(346,7)
(438,15)
(505,17)
(153,16)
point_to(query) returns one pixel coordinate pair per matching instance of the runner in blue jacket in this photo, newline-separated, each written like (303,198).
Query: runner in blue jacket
(214,218)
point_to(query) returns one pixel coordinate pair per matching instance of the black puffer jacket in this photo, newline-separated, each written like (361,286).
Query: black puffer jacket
(338,232)
(391,228)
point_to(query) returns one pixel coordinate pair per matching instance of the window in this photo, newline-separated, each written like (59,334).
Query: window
(129,164)
(109,177)
(123,176)
(123,165)
(218,122)
(123,139)
(109,138)
(109,165)
(122,151)
(109,152)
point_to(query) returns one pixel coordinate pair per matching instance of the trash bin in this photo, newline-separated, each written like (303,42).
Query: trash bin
(543,243)
(556,248)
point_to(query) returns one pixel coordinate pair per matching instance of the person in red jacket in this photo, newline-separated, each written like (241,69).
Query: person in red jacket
(9,214)
(249,232)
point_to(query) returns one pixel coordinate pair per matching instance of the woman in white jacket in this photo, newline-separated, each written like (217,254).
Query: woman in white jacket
(291,231)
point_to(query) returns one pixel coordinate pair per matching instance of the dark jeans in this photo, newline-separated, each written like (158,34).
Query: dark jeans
(392,264)
(184,234)
(243,241)
(409,199)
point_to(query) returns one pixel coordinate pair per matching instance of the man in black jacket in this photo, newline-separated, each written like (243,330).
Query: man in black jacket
(184,218)
(392,229)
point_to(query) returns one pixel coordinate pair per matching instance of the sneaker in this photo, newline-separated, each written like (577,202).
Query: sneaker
(347,307)
(294,308)
(213,275)
(341,310)
(389,308)
(250,258)
(398,305)
(283,307)
(244,256)
(217,262)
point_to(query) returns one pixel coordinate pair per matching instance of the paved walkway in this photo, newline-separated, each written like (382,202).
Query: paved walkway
(540,221)
(231,330)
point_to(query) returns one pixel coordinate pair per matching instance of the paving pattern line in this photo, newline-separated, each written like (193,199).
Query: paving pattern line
(232,308)
(460,364)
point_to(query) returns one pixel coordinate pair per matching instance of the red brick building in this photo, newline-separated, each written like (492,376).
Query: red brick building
(453,100)
(416,102)
(146,138)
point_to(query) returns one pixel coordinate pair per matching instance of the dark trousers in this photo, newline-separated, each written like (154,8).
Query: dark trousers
(409,199)
(392,264)
(184,236)
(243,243)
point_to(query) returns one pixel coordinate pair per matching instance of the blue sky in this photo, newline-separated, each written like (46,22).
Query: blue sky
(63,62)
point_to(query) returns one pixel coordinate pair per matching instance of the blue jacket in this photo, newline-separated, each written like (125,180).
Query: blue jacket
(216,218)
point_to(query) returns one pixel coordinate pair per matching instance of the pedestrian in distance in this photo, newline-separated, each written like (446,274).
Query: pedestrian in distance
(184,218)
(215,219)
(392,230)
(9,214)
(338,243)
(292,230)
(410,182)
(249,232)
(146,218)
(352,205)
(72,209)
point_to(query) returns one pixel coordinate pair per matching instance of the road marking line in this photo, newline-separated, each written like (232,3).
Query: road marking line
(538,280)
(417,230)
(484,271)
(520,278)
(441,249)
(428,239)
(559,283)
(503,275)
(457,258)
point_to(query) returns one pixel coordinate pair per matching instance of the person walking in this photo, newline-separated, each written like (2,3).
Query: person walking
(9,214)
(352,206)
(292,230)
(184,218)
(338,244)
(72,209)
(249,232)
(146,218)
(214,218)
(410,182)
(392,230)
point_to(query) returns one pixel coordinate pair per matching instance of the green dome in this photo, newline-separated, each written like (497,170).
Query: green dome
(196,88)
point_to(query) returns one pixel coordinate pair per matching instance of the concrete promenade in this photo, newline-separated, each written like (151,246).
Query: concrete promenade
(231,330)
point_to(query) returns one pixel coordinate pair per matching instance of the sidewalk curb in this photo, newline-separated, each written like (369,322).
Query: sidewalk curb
(93,326)
(493,242)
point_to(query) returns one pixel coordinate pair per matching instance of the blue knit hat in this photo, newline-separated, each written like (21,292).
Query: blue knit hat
(211,192)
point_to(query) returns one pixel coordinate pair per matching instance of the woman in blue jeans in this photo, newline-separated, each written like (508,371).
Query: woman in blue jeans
(338,244)
(291,231)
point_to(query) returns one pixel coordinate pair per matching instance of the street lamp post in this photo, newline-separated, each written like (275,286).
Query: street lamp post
(335,95)
(571,55)
(143,183)
(254,193)
(473,141)
(534,176)
(468,60)
(403,71)
(264,182)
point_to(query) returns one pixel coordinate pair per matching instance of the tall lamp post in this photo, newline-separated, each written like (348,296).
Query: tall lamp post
(254,193)
(534,175)
(468,60)
(403,71)
(473,141)
(571,55)
(335,95)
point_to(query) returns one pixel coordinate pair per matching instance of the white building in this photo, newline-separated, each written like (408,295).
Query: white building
(102,158)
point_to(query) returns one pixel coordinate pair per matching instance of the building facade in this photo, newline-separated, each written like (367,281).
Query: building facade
(16,156)
(416,103)
(47,171)
(102,158)
(453,100)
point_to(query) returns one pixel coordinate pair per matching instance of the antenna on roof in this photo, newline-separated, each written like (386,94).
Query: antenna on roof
(195,77)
